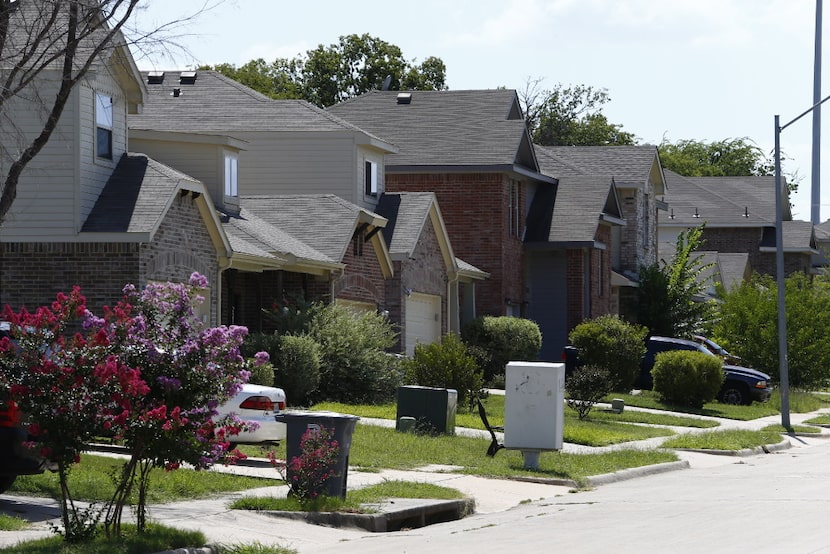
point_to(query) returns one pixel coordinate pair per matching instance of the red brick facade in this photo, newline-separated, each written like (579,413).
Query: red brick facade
(748,240)
(33,273)
(476,211)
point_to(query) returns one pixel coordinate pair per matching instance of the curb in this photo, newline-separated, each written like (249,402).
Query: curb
(634,472)
(395,514)
(766,449)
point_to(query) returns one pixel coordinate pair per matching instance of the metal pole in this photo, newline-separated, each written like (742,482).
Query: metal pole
(815,205)
(779,275)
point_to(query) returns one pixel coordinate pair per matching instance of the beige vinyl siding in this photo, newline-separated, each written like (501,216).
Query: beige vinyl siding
(96,171)
(200,161)
(366,155)
(297,163)
(47,191)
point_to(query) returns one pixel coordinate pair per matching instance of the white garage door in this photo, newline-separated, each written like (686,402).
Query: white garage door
(423,320)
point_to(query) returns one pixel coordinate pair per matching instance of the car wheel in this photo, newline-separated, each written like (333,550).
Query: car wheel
(735,394)
(6,482)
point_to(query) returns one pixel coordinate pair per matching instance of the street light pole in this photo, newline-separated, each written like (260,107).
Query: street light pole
(784,370)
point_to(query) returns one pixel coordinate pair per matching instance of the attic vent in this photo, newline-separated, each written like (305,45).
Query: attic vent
(404,97)
(155,77)
(187,78)
(177,92)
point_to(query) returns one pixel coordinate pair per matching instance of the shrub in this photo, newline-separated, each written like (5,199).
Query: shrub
(503,339)
(585,387)
(445,364)
(262,374)
(355,365)
(687,378)
(611,343)
(295,364)
(308,473)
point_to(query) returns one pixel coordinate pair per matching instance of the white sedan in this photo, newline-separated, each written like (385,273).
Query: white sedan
(258,404)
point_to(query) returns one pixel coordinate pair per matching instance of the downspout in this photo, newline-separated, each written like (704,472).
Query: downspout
(453,317)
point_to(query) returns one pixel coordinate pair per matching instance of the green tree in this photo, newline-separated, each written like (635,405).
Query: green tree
(747,325)
(326,75)
(671,293)
(571,116)
(722,158)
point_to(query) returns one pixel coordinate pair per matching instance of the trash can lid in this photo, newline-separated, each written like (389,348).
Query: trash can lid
(314,415)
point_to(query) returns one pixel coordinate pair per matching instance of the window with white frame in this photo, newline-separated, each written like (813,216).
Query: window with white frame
(103,126)
(371,178)
(231,175)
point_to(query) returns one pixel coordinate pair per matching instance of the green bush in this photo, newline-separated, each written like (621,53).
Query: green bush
(687,378)
(295,364)
(262,374)
(355,365)
(501,340)
(445,364)
(297,368)
(611,343)
(586,386)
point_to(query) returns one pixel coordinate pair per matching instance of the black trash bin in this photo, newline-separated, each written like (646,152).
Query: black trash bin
(341,427)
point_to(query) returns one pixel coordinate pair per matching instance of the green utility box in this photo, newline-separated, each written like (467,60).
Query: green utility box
(433,408)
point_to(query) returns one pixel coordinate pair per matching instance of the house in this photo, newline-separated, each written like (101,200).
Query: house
(640,182)
(88,212)
(472,150)
(302,186)
(568,249)
(739,217)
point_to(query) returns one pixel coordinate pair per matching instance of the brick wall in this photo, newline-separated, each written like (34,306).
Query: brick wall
(31,274)
(362,280)
(638,237)
(601,300)
(475,210)
(425,272)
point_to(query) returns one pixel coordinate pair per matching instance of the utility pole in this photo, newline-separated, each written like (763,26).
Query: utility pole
(815,200)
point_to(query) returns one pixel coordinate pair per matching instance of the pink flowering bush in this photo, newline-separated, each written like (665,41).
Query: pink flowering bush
(308,473)
(146,372)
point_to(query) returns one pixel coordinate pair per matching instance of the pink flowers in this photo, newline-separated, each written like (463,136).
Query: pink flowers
(308,473)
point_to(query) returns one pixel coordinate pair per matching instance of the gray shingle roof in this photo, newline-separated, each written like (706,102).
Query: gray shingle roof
(216,103)
(445,128)
(720,201)
(630,166)
(407,214)
(249,234)
(136,196)
(324,222)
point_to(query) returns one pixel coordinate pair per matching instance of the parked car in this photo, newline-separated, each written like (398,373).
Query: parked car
(742,385)
(16,455)
(728,357)
(258,404)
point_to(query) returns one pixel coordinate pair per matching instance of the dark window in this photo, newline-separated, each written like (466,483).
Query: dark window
(371,178)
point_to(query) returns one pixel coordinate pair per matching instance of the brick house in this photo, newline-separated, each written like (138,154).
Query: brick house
(295,183)
(739,213)
(568,248)
(640,181)
(88,213)
(424,267)
(472,150)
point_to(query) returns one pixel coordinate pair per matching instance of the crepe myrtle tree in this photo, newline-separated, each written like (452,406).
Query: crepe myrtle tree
(147,372)
(62,41)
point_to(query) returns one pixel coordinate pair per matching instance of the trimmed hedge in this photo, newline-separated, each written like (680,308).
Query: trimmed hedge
(498,340)
(614,344)
(687,378)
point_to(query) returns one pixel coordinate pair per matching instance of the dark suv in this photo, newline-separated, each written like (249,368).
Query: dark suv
(16,455)
(741,385)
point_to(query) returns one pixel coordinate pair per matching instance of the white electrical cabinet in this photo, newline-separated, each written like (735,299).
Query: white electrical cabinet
(534,406)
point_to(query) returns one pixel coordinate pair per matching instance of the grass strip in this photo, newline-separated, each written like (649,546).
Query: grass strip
(731,439)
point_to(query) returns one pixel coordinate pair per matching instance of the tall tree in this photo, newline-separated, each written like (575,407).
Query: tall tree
(671,292)
(729,157)
(570,116)
(330,74)
(59,41)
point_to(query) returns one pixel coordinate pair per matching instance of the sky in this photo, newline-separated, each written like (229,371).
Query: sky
(704,70)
